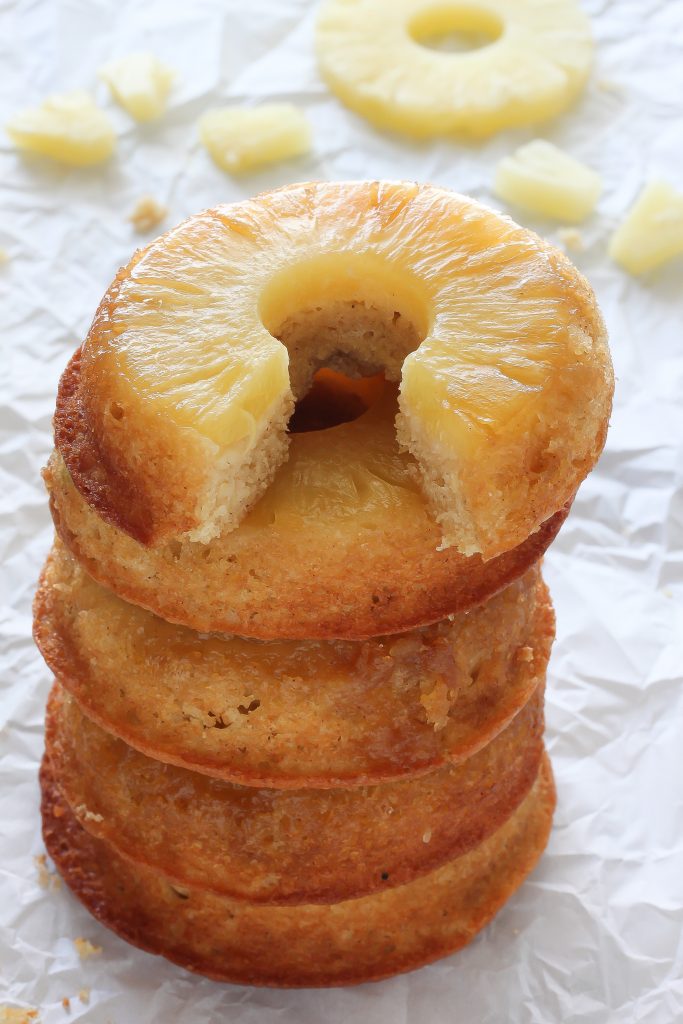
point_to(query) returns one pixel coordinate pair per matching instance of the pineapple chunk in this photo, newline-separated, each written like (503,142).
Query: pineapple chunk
(652,233)
(239,138)
(69,128)
(371,55)
(140,83)
(544,179)
(147,213)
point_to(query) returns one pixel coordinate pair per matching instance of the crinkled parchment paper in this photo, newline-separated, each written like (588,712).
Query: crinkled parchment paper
(594,936)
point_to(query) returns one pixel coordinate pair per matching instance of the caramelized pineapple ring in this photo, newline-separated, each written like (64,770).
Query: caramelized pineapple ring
(203,342)
(534,61)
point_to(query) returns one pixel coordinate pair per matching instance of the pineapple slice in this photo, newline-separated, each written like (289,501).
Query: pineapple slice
(140,83)
(240,138)
(543,179)
(537,62)
(69,128)
(189,367)
(652,233)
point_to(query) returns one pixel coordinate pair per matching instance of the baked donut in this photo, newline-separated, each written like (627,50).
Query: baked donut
(305,945)
(287,846)
(174,420)
(534,61)
(294,714)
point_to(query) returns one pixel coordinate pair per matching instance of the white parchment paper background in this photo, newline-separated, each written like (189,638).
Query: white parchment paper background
(595,935)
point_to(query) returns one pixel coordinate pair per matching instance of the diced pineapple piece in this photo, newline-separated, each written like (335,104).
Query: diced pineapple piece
(544,179)
(69,128)
(652,233)
(372,55)
(147,213)
(140,83)
(239,138)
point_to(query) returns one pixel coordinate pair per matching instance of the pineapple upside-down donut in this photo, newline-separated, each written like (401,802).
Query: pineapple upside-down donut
(294,714)
(282,846)
(535,61)
(172,420)
(307,945)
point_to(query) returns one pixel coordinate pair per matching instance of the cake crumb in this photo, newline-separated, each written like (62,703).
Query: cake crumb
(66,1003)
(84,995)
(4,256)
(83,812)
(571,238)
(147,213)
(525,654)
(426,838)
(86,949)
(17,1015)
(40,861)
(437,704)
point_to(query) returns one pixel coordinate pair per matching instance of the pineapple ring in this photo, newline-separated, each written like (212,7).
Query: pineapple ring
(186,387)
(370,54)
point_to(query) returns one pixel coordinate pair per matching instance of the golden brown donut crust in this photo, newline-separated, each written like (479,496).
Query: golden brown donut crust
(294,714)
(263,580)
(287,846)
(375,937)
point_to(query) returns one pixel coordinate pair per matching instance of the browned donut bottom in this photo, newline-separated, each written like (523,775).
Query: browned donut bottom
(313,572)
(306,945)
(287,846)
(294,714)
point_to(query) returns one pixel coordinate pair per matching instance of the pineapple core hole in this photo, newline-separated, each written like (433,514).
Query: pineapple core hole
(335,398)
(453,28)
(354,314)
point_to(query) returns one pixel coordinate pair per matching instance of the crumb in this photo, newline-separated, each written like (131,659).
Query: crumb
(40,861)
(437,704)
(66,1003)
(147,213)
(667,592)
(4,256)
(84,995)
(83,812)
(525,654)
(571,238)
(86,949)
(426,838)
(17,1015)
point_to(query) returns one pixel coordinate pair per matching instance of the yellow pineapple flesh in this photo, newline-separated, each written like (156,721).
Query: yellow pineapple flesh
(494,339)
(652,233)
(537,61)
(544,179)
(69,128)
(140,83)
(240,138)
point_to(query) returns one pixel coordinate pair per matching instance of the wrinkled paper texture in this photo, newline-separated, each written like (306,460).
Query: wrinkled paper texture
(594,936)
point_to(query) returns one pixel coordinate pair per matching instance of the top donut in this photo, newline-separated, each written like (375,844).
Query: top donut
(203,343)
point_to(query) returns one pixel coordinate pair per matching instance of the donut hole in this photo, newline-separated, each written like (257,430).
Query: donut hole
(455,28)
(335,398)
(356,314)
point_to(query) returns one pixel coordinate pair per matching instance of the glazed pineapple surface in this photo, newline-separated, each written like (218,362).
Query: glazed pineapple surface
(375,55)
(196,354)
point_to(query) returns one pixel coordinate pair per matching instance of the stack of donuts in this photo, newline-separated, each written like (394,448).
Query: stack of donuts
(306,464)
